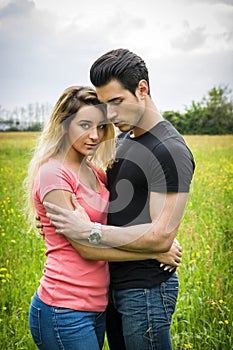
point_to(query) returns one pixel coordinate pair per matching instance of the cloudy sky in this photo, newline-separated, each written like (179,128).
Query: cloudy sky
(48,45)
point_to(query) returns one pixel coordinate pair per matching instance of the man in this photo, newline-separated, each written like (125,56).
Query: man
(149,185)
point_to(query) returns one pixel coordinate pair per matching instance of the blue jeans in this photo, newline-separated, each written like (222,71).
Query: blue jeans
(140,319)
(56,328)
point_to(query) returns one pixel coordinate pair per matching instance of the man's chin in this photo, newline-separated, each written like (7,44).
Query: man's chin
(125,127)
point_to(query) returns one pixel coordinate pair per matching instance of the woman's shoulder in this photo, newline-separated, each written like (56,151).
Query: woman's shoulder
(53,167)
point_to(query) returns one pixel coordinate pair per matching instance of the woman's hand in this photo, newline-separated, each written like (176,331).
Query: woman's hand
(171,259)
(39,225)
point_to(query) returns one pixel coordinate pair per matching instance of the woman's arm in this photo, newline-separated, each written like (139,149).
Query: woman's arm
(172,258)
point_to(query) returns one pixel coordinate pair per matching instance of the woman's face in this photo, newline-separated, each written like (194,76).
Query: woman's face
(86,130)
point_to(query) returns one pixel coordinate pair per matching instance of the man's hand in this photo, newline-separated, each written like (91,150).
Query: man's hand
(171,259)
(71,223)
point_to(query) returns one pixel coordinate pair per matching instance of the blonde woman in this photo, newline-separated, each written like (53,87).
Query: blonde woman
(67,311)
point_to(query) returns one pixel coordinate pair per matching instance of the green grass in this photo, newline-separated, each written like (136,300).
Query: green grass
(203,318)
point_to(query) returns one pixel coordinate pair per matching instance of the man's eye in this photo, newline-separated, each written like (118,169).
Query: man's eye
(115,103)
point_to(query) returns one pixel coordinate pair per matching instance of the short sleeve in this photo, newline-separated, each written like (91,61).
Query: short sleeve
(171,168)
(54,176)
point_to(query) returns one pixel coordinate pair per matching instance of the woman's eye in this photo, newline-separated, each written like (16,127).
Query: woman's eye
(102,126)
(85,126)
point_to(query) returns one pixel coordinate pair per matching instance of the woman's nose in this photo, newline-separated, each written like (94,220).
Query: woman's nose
(94,133)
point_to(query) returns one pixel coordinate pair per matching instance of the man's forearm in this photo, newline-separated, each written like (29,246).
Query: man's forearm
(144,238)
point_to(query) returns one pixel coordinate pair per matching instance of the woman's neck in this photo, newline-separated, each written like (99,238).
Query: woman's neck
(71,158)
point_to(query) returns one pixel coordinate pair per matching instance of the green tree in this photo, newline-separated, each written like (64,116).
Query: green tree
(178,120)
(213,115)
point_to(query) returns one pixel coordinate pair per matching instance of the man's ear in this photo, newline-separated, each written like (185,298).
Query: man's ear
(143,88)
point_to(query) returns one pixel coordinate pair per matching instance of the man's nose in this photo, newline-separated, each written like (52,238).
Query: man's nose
(111,112)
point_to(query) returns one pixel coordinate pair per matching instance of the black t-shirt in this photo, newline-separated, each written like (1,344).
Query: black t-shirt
(157,161)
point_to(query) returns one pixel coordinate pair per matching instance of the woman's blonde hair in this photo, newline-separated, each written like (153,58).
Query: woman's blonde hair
(51,140)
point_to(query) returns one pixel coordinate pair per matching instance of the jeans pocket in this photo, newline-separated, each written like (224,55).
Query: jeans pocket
(169,291)
(100,315)
(35,324)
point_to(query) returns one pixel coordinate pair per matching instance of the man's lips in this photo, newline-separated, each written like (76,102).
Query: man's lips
(117,124)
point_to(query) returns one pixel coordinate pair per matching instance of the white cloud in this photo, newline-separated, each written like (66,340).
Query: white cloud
(189,39)
(184,77)
(16,8)
(47,45)
(216,2)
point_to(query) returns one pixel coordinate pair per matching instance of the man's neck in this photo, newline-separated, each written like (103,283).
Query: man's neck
(150,118)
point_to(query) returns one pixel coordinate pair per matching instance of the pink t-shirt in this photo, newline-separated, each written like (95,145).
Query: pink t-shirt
(69,280)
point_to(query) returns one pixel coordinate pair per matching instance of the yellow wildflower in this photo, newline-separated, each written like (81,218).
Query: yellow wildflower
(192,261)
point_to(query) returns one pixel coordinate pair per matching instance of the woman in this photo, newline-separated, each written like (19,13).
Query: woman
(67,311)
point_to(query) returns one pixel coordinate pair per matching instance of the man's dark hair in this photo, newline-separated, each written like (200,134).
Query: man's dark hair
(122,65)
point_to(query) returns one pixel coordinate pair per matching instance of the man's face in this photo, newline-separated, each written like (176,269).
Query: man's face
(124,109)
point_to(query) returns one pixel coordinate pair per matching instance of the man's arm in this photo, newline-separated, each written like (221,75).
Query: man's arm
(166,211)
(87,251)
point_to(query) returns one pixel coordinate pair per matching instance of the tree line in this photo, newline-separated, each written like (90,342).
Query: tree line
(29,118)
(212,115)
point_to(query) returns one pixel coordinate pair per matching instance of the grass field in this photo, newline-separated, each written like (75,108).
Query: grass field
(204,315)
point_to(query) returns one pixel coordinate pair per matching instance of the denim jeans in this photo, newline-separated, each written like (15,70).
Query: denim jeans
(56,328)
(140,319)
